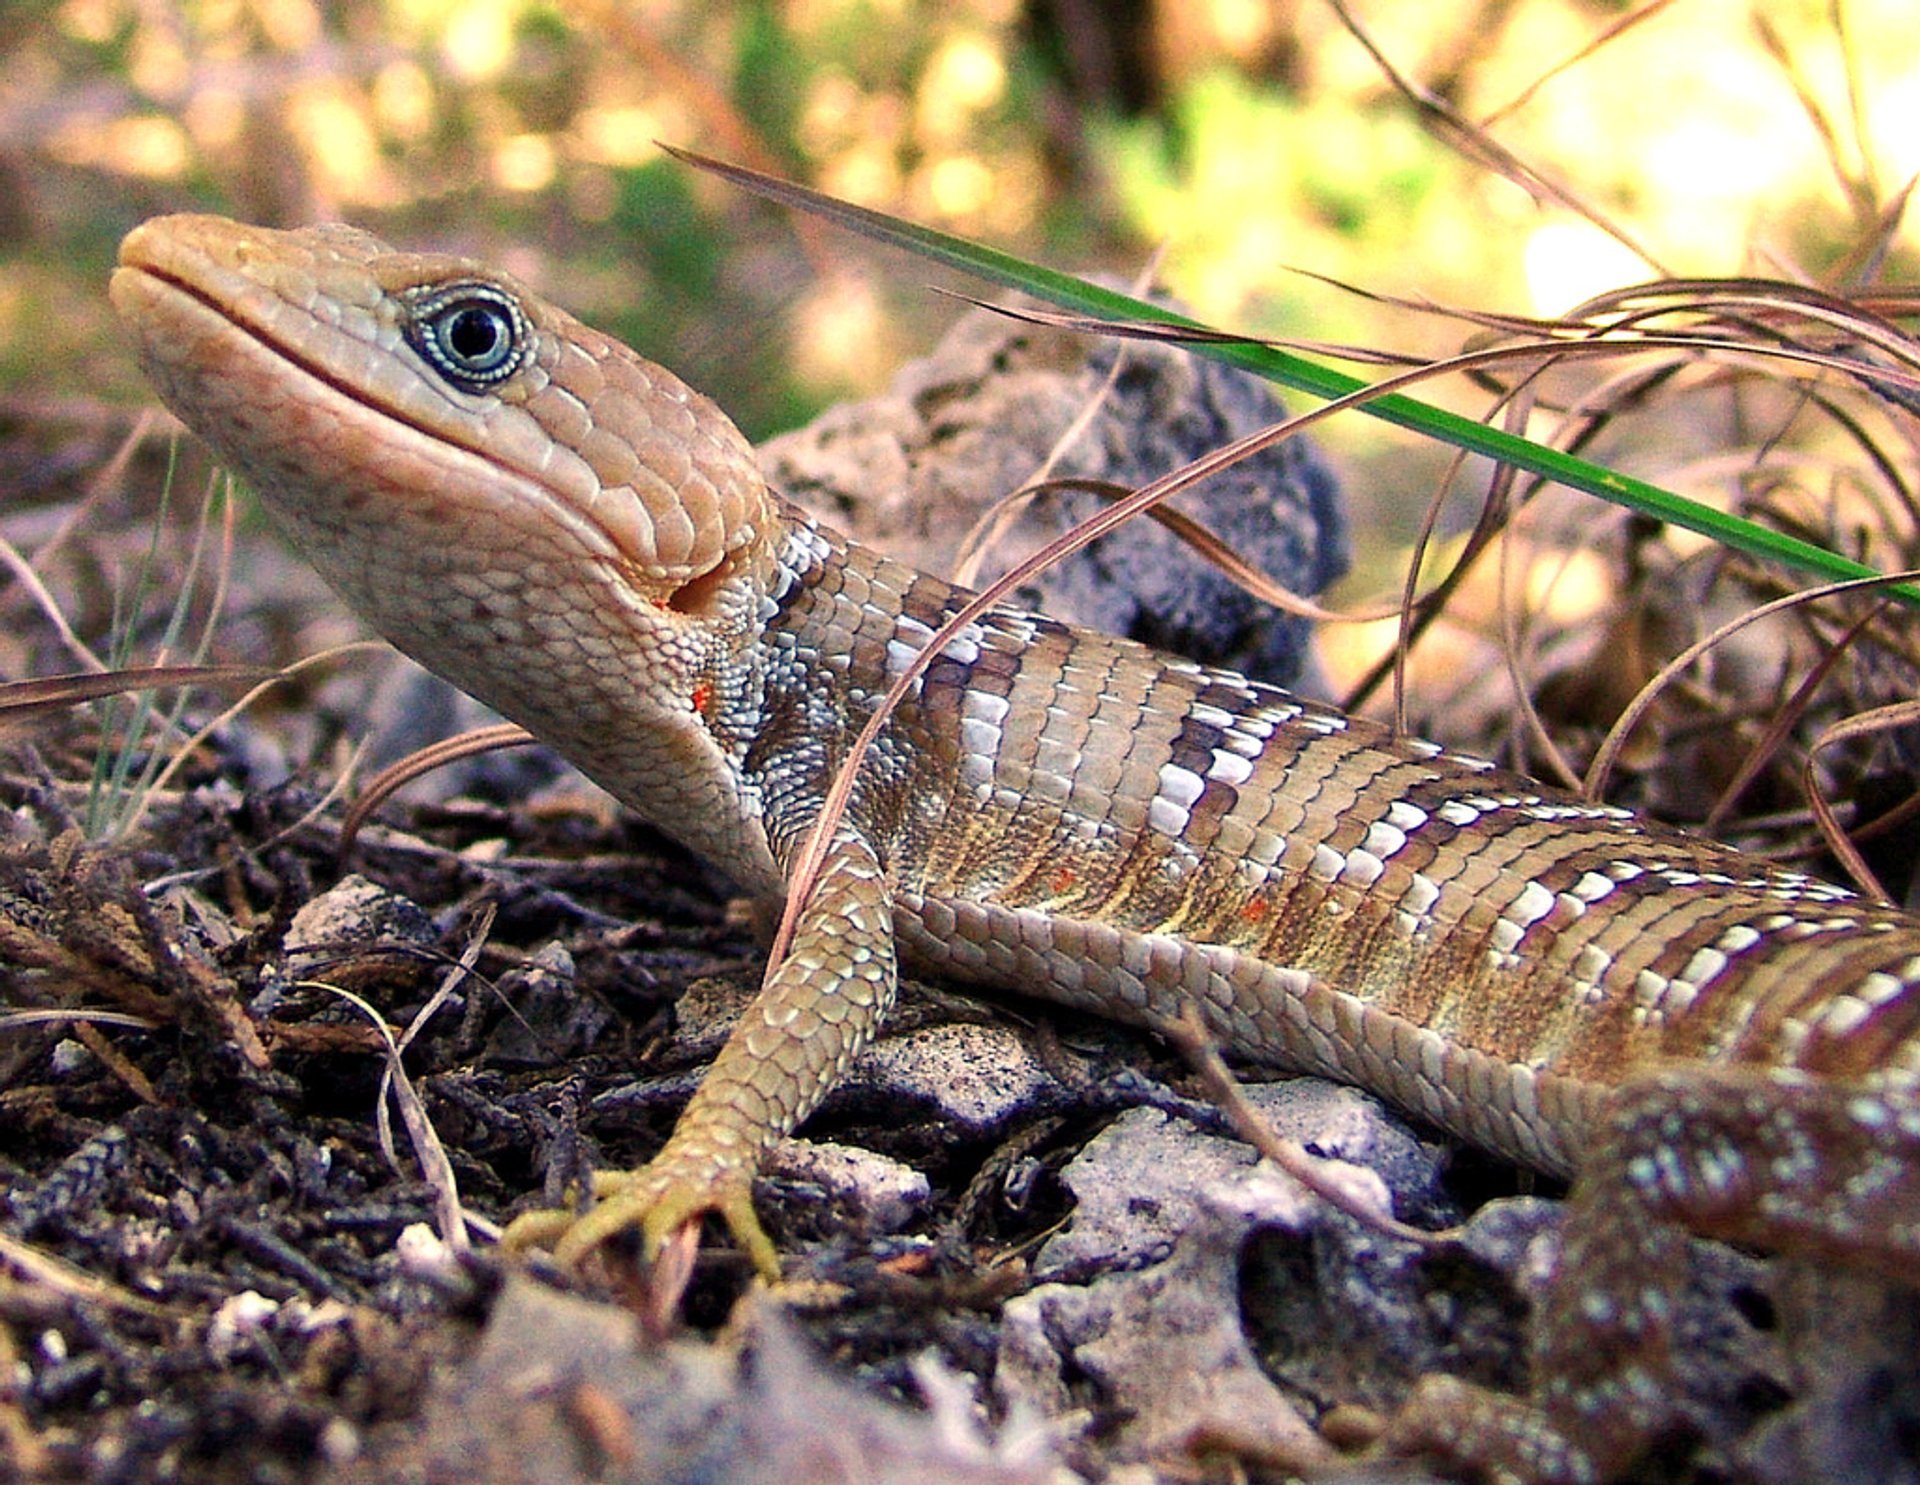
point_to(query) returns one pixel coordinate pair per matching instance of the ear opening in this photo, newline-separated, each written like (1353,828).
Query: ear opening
(698,595)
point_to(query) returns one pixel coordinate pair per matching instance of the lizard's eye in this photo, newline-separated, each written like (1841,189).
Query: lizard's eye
(474,335)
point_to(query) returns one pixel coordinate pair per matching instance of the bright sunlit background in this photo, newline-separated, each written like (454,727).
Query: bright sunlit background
(1243,139)
(1715,135)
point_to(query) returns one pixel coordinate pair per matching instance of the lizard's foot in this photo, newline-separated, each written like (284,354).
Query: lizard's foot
(1456,1427)
(658,1200)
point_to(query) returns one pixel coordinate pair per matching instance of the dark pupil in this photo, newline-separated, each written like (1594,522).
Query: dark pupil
(475,336)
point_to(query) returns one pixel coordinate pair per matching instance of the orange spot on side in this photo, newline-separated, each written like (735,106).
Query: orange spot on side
(1065,879)
(1255,910)
(702,697)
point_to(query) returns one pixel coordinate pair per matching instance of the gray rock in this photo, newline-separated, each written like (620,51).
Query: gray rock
(354,912)
(1850,1343)
(1138,1184)
(565,1390)
(975,1077)
(1160,1352)
(1199,1264)
(875,1194)
(912,469)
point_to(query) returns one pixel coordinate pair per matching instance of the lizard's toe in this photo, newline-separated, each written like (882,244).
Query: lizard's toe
(657,1201)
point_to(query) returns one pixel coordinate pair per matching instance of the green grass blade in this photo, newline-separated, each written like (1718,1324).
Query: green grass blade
(1290,370)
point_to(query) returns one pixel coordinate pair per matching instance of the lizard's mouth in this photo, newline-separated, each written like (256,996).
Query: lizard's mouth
(155,285)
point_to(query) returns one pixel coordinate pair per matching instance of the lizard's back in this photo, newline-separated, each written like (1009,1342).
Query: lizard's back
(1081,817)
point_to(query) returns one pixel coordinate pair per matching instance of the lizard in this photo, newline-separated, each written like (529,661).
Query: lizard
(1704,1043)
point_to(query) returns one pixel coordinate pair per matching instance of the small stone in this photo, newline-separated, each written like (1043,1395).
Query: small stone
(877,1194)
(974,1078)
(1138,1183)
(356,911)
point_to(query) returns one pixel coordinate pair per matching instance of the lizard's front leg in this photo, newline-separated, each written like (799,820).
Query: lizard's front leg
(819,1007)
(1768,1158)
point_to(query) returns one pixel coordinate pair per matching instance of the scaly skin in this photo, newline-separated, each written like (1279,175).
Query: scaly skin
(571,534)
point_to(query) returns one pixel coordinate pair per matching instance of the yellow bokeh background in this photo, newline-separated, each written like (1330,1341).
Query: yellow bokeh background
(1243,138)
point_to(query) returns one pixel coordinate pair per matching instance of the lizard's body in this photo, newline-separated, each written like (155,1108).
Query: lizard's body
(566,531)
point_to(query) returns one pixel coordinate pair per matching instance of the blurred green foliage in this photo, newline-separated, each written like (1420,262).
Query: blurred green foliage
(1244,138)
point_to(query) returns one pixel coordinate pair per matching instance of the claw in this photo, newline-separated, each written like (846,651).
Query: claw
(657,1202)
(537,1229)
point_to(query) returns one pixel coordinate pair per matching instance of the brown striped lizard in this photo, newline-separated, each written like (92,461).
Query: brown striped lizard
(568,532)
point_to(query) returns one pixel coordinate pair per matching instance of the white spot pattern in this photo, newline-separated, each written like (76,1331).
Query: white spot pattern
(1230,768)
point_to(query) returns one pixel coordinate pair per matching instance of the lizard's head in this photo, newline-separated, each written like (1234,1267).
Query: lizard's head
(518,500)
(423,380)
